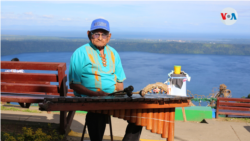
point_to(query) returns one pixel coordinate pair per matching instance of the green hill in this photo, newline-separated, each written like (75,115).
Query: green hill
(12,45)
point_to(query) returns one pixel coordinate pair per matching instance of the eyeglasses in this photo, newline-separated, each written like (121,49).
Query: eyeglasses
(97,35)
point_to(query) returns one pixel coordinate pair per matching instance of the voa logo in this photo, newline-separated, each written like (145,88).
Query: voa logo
(229,16)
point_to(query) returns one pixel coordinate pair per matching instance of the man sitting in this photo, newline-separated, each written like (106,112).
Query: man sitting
(15,70)
(96,70)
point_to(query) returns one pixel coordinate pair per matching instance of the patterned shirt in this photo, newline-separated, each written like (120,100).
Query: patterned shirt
(15,70)
(86,68)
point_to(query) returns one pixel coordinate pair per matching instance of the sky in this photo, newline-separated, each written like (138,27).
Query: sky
(189,17)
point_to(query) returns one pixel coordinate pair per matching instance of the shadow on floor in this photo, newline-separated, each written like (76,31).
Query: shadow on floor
(247,128)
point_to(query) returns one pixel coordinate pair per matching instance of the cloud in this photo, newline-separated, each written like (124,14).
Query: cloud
(48,16)
(141,2)
(100,18)
(150,15)
(66,19)
(3,17)
(243,13)
(28,13)
(194,23)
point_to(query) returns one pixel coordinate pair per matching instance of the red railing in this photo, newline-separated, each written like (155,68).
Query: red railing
(234,106)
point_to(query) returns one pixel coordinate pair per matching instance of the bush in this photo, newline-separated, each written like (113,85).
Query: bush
(248,96)
(29,135)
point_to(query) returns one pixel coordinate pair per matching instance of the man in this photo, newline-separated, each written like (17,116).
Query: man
(96,70)
(15,70)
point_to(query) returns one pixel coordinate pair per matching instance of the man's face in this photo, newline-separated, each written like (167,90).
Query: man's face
(99,37)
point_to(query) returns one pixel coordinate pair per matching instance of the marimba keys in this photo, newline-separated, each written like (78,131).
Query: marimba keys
(127,114)
(133,116)
(122,114)
(116,113)
(155,121)
(165,124)
(160,121)
(139,117)
(155,112)
(144,117)
(150,119)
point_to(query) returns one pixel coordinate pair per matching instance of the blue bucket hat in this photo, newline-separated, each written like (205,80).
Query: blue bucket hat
(100,24)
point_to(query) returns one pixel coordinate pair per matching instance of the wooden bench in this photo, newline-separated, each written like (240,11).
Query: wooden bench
(236,106)
(34,87)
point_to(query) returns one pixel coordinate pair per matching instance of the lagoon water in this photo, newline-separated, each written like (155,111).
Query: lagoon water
(141,69)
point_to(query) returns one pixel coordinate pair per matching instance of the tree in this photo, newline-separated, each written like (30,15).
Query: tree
(248,96)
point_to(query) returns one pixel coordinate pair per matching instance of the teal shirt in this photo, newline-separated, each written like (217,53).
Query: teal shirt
(86,68)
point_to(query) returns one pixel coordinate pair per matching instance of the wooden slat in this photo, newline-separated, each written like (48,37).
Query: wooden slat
(116,113)
(234,113)
(233,108)
(68,94)
(133,116)
(149,119)
(111,112)
(28,82)
(105,112)
(127,114)
(144,117)
(21,99)
(30,65)
(166,123)
(160,122)
(22,88)
(155,121)
(8,76)
(70,90)
(171,124)
(235,104)
(37,93)
(121,113)
(99,111)
(234,99)
(138,117)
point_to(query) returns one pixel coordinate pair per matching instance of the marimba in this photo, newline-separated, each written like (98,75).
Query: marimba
(154,111)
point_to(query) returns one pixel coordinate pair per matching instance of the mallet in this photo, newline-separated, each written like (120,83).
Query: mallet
(129,92)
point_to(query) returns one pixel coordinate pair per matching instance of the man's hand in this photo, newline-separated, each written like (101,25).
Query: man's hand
(119,86)
(101,93)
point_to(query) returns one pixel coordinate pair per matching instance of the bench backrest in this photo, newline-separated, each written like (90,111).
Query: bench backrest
(234,106)
(34,82)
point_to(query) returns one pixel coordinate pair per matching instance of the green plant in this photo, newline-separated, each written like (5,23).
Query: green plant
(29,135)
(17,109)
(248,96)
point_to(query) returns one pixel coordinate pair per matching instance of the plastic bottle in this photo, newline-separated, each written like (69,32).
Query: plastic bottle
(169,88)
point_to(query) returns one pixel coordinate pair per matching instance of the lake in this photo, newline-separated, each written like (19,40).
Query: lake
(141,69)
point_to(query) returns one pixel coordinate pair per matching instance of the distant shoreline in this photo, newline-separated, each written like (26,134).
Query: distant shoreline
(19,47)
(11,44)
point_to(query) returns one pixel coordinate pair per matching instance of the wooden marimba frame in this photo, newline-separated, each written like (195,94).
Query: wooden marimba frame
(155,111)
